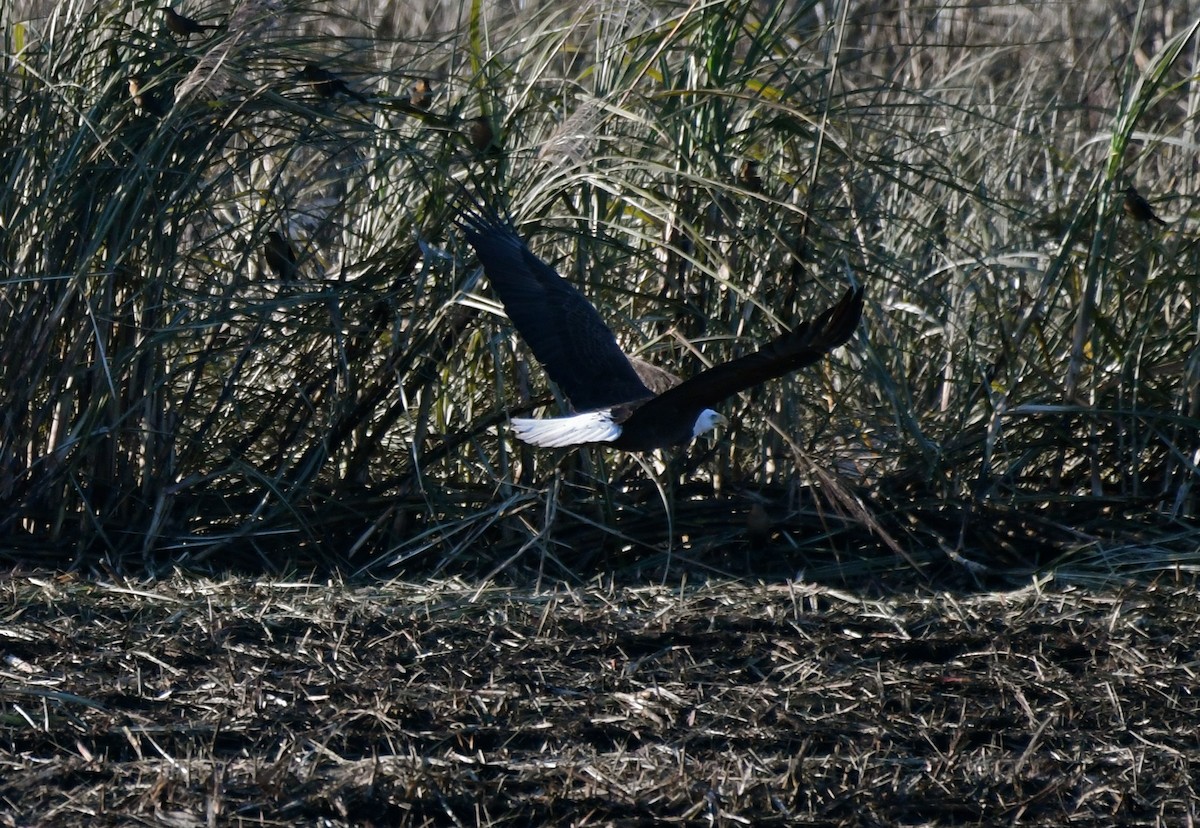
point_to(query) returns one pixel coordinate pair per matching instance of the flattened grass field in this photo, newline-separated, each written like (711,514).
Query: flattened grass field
(274,556)
(244,702)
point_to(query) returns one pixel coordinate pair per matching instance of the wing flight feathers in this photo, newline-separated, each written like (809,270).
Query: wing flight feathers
(805,344)
(565,333)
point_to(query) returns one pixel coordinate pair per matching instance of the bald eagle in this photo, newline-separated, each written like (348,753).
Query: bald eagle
(618,402)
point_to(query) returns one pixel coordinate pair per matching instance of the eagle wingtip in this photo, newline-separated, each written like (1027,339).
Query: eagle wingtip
(837,325)
(482,221)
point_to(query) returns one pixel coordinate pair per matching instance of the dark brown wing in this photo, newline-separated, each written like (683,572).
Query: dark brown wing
(564,331)
(656,379)
(802,346)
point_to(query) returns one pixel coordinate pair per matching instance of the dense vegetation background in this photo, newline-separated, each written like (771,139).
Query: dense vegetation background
(1023,392)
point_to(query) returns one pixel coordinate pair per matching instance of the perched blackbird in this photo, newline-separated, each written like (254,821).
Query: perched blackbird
(280,257)
(749,178)
(182,25)
(422,94)
(138,92)
(483,137)
(1138,208)
(147,100)
(326,83)
(758,526)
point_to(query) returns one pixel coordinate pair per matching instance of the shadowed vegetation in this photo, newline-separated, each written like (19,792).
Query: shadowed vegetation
(176,388)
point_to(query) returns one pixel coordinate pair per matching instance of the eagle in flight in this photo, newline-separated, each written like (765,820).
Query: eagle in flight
(623,402)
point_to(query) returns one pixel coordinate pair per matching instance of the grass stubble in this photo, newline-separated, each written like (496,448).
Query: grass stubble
(192,702)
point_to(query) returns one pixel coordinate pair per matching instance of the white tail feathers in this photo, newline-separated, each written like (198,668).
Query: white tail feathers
(591,427)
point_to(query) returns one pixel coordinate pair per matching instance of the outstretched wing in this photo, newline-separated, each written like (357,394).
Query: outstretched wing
(803,345)
(565,332)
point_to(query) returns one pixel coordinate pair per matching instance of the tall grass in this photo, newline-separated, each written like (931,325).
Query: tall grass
(1024,390)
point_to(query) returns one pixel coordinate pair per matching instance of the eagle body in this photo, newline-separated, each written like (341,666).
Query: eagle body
(611,426)
(612,395)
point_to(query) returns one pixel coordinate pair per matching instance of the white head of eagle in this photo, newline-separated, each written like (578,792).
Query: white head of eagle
(616,403)
(707,421)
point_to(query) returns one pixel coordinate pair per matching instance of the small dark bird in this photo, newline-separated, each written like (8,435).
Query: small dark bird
(137,92)
(422,94)
(280,256)
(1137,207)
(758,526)
(749,178)
(113,60)
(483,137)
(614,405)
(182,25)
(146,100)
(326,83)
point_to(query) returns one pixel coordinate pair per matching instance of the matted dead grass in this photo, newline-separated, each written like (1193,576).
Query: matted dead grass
(245,702)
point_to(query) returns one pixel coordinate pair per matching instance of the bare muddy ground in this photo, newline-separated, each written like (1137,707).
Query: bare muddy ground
(192,702)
